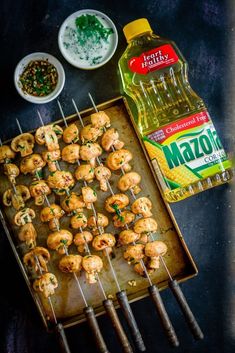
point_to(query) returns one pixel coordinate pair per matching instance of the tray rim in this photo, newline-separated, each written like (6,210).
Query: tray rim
(74,320)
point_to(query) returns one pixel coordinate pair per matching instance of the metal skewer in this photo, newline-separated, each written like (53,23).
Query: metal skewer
(153,289)
(108,303)
(173,283)
(121,294)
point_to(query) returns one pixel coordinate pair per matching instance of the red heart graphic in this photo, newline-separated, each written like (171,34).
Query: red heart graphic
(135,64)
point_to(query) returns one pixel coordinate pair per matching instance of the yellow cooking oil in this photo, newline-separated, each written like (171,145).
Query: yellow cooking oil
(172,120)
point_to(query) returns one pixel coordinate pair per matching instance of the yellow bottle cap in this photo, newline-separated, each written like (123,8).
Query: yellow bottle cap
(136,28)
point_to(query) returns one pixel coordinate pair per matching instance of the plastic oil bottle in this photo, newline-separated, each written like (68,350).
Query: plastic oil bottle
(171,118)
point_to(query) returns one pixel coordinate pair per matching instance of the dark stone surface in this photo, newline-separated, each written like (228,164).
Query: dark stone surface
(203,31)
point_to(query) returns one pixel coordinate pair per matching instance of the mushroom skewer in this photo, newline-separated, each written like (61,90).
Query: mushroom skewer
(108,303)
(173,283)
(88,310)
(153,289)
(121,294)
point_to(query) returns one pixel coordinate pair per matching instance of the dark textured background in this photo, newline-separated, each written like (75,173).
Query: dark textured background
(203,31)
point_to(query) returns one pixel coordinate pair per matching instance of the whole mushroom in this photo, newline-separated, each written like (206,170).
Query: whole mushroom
(39,190)
(90,152)
(145,225)
(73,203)
(60,181)
(6,153)
(32,164)
(85,172)
(71,134)
(60,240)
(71,264)
(119,159)
(116,202)
(90,133)
(121,220)
(23,144)
(100,119)
(128,181)
(78,221)
(70,153)
(46,284)
(98,223)
(128,236)
(89,196)
(154,250)
(142,206)
(110,139)
(92,264)
(51,157)
(81,239)
(134,253)
(104,241)
(103,174)
(12,172)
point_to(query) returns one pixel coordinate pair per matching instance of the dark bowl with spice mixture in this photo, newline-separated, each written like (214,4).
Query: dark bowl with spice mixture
(39,78)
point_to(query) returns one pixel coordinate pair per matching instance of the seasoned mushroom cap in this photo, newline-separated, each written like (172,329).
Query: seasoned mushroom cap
(117,159)
(128,236)
(78,221)
(71,134)
(128,180)
(89,151)
(142,206)
(51,212)
(111,139)
(59,240)
(24,144)
(28,234)
(18,199)
(126,217)
(6,153)
(51,156)
(82,238)
(134,253)
(90,133)
(145,225)
(116,202)
(46,284)
(92,263)
(32,164)
(12,171)
(73,202)
(70,153)
(37,259)
(49,135)
(24,216)
(39,189)
(100,119)
(71,263)
(61,180)
(101,221)
(102,241)
(85,172)
(155,248)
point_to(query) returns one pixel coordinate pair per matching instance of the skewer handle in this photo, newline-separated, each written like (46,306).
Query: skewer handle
(110,310)
(126,309)
(62,339)
(190,319)
(165,320)
(93,324)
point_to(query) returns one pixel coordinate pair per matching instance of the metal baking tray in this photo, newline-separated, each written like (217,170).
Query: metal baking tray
(67,303)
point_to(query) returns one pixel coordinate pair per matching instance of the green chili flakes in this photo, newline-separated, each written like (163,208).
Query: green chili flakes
(39,78)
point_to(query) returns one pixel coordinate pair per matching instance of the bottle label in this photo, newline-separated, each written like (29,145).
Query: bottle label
(154,59)
(186,151)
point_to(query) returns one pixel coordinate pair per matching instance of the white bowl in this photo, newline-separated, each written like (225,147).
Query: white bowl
(22,65)
(109,48)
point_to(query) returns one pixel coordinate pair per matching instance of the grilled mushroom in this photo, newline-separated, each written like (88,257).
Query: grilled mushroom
(73,203)
(85,172)
(12,172)
(71,134)
(71,263)
(128,236)
(80,240)
(153,250)
(90,152)
(90,133)
(116,202)
(70,153)
(100,119)
(39,190)
(28,234)
(52,214)
(24,144)
(60,180)
(6,154)
(37,259)
(111,139)
(94,224)
(145,225)
(103,174)
(78,221)
(46,284)
(119,159)
(24,216)
(92,264)
(134,253)
(124,218)
(51,157)
(89,196)
(104,241)
(129,181)
(17,200)
(48,135)
(60,240)
(32,164)
(142,206)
